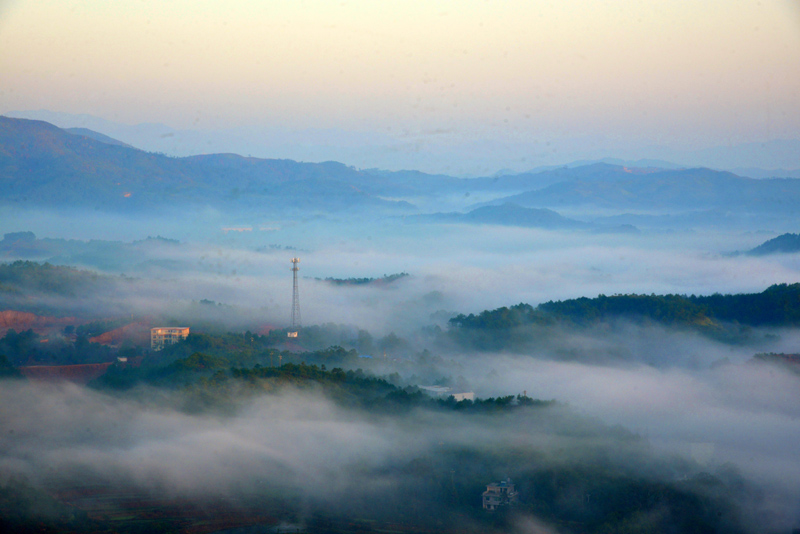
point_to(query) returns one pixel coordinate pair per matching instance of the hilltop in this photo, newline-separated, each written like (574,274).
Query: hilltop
(43,165)
(785,243)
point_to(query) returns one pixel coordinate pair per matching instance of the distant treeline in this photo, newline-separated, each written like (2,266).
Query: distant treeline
(385,279)
(778,305)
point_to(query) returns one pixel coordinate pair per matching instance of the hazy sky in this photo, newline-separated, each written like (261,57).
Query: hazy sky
(673,72)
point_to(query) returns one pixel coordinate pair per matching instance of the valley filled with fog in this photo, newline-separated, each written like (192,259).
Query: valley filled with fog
(674,404)
(399,267)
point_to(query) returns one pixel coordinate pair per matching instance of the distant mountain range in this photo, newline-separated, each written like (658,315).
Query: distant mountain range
(91,134)
(620,188)
(432,152)
(42,165)
(514,215)
(504,215)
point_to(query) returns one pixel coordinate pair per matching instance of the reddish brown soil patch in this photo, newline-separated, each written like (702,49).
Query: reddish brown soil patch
(137,333)
(21,321)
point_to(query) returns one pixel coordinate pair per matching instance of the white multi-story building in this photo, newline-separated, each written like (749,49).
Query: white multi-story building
(162,336)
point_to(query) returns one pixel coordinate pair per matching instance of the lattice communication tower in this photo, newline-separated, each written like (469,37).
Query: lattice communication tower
(295,300)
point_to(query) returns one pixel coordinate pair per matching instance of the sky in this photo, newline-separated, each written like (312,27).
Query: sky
(674,73)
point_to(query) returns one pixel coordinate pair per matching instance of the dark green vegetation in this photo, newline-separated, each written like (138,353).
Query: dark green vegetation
(725,317)
(384,280)
(27,348)
(212,380)
(786,243)
(778,305)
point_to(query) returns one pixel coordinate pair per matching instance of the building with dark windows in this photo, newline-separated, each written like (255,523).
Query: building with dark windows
(499,494)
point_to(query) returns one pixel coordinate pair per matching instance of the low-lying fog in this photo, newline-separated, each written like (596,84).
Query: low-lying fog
(688,395)
(745,414)
(304,445)
(456,268)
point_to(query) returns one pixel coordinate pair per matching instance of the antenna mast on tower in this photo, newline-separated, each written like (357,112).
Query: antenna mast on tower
(295,300)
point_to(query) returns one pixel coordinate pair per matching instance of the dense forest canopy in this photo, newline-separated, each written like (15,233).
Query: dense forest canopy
(778,305)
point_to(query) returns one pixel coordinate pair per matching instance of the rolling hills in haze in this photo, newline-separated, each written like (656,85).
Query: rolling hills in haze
(783,244)
(44,166)
(688,189)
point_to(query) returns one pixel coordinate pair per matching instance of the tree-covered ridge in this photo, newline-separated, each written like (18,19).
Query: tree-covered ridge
(30,276)
(29,348)
(785,243)
(778,305)
(385,279)
(499,319)
(213,379)
(667,309)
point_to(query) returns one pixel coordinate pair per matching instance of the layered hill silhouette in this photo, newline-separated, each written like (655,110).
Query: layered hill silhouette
(42,165)
(505,215)
(611,186)
(783,244)
(514,215)
(97,136)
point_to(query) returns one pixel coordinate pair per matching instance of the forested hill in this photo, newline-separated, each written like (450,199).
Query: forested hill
(778,305)
(786,243)
(23,278)
(42,165)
